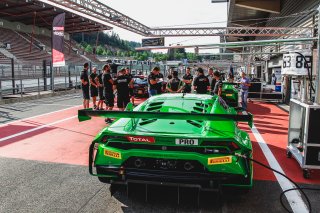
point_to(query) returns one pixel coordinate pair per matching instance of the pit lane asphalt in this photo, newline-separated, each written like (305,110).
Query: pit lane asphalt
(32,186)
(20,110)
(36,186)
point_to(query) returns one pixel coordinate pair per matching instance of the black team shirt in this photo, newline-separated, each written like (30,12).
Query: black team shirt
(152,77)
(216,87)
(202,83)
(122,84)
(106,83)
(175,84)
(159,84)
(129,75)
(187,77)
(84,76)
(93,76)
(100,78)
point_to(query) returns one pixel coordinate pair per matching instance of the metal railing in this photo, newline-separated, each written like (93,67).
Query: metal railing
(20,87)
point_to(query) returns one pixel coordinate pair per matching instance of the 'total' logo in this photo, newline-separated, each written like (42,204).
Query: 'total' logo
(144,139)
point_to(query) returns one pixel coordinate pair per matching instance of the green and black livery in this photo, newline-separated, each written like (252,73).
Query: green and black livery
(182,139)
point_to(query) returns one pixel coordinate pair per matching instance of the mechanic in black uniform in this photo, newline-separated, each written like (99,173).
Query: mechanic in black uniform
(217,88)
(201,82)
(99,83)
(122,84)
(85,85)
(131,94)
(108,91)
(187,80)
(93,86)
(153,79)
(175,85)
(159,84)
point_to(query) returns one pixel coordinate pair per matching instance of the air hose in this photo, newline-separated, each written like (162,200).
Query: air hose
(301,189)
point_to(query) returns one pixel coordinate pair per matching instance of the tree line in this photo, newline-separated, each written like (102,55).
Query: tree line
(104,44)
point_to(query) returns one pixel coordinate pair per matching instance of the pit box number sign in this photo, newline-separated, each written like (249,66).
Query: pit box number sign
(296,64)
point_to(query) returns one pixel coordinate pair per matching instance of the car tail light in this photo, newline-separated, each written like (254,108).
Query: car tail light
(235,146)
(104,139)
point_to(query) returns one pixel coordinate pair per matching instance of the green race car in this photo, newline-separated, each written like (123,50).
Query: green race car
(180,139)
(230,94)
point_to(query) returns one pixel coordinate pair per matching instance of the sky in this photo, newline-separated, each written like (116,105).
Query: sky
(165,13)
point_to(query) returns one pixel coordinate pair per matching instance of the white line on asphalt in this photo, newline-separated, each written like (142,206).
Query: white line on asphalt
(40,104)
(36,116)
(35,129)
(294,197)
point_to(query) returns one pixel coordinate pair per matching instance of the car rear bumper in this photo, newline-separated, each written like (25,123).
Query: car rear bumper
(160,177)
(170,167)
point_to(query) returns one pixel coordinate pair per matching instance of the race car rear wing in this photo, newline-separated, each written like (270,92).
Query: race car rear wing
(86,114)
(230,83)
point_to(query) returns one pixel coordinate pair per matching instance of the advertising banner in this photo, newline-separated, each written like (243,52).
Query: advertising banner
(58,40)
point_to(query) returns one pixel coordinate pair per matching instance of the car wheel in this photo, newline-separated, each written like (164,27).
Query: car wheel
(104,180)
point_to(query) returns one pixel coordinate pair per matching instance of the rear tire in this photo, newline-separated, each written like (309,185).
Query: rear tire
(104,180)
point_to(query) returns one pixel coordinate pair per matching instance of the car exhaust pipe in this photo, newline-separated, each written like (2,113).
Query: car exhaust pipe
(188,166)
(138,163)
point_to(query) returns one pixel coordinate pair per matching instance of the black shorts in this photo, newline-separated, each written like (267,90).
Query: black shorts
(109,99)
(100,92)
(122,100)
(93,91)
(85,93)
(187,89)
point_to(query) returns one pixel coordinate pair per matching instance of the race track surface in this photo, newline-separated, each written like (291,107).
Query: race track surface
(44,157)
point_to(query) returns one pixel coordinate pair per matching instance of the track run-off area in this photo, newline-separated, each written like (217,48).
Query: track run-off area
(44,158)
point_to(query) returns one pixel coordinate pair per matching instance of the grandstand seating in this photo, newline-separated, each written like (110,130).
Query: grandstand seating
(4,59)
(20,48)
(71,55)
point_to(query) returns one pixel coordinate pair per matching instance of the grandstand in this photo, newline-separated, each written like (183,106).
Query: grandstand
(25,35)
(20,47)
(20,43)
(4,59)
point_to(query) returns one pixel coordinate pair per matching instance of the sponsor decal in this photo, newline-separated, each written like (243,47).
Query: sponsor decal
(144,139)
(112,154)
(122,81)
(187,141)
(61,34)
(228,94)
(58,28)
(220,160)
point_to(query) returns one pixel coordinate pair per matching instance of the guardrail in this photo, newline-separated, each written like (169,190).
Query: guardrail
(20,87)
